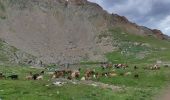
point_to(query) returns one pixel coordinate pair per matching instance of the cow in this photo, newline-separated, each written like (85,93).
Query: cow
(112,74)
(155,67)
(58,74)
(89,74)
(75,74)
(136,76)
(124,66)
(13,77)
(103,65)
(135,67)
(2,76)
(40,77)
(34,77)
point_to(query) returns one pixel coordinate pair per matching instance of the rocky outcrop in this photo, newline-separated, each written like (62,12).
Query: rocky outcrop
(158,34)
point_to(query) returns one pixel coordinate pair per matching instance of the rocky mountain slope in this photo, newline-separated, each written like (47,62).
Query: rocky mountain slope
(11,55)
(57,31)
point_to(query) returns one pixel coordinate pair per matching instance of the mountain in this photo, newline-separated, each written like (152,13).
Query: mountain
(56,31)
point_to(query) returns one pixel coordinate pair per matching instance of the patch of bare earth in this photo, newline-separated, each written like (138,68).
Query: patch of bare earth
(165,95)
(62,81)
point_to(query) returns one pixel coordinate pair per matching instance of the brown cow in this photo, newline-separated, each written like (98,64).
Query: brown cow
(75,74)
(89,74)
(58,74)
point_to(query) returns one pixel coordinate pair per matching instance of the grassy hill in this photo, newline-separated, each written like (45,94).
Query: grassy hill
(137,49)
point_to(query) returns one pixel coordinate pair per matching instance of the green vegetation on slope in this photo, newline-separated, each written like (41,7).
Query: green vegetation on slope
(2,11)
(137,49)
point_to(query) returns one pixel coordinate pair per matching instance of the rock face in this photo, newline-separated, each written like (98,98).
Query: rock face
(57,31)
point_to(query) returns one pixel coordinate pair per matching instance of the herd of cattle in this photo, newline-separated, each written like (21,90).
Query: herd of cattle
(77,74)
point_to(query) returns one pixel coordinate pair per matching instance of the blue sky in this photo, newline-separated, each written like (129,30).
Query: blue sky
(150,13)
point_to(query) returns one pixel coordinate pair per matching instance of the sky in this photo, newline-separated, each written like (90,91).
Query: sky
(154,14)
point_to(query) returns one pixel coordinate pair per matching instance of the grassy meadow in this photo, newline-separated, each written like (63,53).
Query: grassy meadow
(149,83)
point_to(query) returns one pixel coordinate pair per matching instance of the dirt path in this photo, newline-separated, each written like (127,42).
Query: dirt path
(165,95)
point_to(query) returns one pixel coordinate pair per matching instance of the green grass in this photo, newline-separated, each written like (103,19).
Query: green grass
(144,88)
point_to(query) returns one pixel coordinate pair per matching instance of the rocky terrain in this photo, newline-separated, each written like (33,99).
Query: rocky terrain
(11,55)
(56,31)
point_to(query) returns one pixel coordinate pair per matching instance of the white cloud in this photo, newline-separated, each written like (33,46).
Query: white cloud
(165,25)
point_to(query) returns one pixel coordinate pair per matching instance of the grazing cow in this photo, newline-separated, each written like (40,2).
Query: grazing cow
(136,75)
(103,65)
(124,66)
(69,78)
(75,74)
(135,67)
(109,65)
(40,77)
(68,72)
(118,65)
(89,74)
(2,76)
(13,77)
(34,77)
(166,65)
(58,74)
(106,74)
(155,67)
(37,76)
(42,72)
(112,74)
(97,75)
